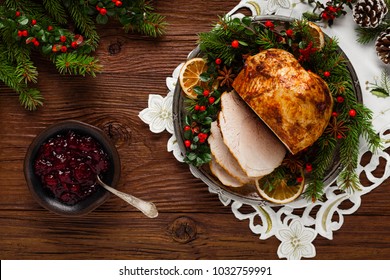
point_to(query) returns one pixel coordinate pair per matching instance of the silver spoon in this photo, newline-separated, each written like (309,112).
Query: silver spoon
(146,207)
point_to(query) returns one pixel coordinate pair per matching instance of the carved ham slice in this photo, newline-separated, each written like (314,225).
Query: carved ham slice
(222,175)
(224,158)
(257,150)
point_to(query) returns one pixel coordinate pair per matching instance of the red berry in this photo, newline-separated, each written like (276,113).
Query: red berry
(206,93)
(118,3)
(103,11)
(335,114)
(98,8)
(235,44)
(289,32)
(309,167)
(218,61)
(17,14)
(20,33)
(63,39)
(25,33)
(269,24)
(327,74)
(54,48)
(202,137)
(33,21)
(211,99)
(187,143)
(74,44)
(196,107)
(339,136)
(352,113)
(187,127)
(202,108)
(299,180)
(36,43)
(340,99)
(49,28)
(64,49)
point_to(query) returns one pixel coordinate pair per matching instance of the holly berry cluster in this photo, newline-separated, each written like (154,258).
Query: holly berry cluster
(108,8)
(42,34)
(329,11)
(203,111)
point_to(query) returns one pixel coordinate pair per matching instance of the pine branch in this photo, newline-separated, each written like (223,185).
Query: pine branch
(76,64)
(314,190)
(368,35)
(30,98)
(153,25)
(84,22)
(56,10)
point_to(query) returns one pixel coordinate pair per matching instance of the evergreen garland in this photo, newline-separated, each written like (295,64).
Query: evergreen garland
(228,45)
(65,31)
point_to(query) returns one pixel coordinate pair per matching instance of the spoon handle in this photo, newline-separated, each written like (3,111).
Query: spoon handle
(148,208)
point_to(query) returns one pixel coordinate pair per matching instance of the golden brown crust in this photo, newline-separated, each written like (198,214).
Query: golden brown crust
(294,103)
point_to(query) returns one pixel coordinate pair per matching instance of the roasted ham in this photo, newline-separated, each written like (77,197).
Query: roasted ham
(295,104)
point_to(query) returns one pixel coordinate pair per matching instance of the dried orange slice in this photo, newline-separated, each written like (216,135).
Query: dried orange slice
(317,35)
(190,76)
(281,192)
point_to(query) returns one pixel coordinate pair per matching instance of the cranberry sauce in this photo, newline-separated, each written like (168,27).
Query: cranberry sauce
(68,165)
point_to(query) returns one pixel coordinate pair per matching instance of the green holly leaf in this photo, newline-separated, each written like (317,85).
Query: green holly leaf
(380,92)
(191,156)
(198,90)
(100,19)
(22,20)
(46,49)
(204,77)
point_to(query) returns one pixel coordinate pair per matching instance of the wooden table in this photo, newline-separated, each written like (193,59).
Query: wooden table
(193,224)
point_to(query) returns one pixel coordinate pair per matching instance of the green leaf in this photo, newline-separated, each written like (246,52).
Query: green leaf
(198,90)
(22,20)
(100,19)
(247,21)
(243,43)
(46,49)
(207,120)
(206,157)
(191,156)
(204,77)
(380,92)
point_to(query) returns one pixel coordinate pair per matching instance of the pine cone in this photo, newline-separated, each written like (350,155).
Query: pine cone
(369,13)
(382,46)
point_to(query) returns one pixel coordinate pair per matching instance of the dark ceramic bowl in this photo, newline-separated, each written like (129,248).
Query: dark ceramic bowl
(91,202)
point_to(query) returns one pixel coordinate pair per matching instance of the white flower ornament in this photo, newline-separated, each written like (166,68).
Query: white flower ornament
(158,114)
(296,241)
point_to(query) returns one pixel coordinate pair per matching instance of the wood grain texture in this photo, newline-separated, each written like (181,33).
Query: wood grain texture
(192,224)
